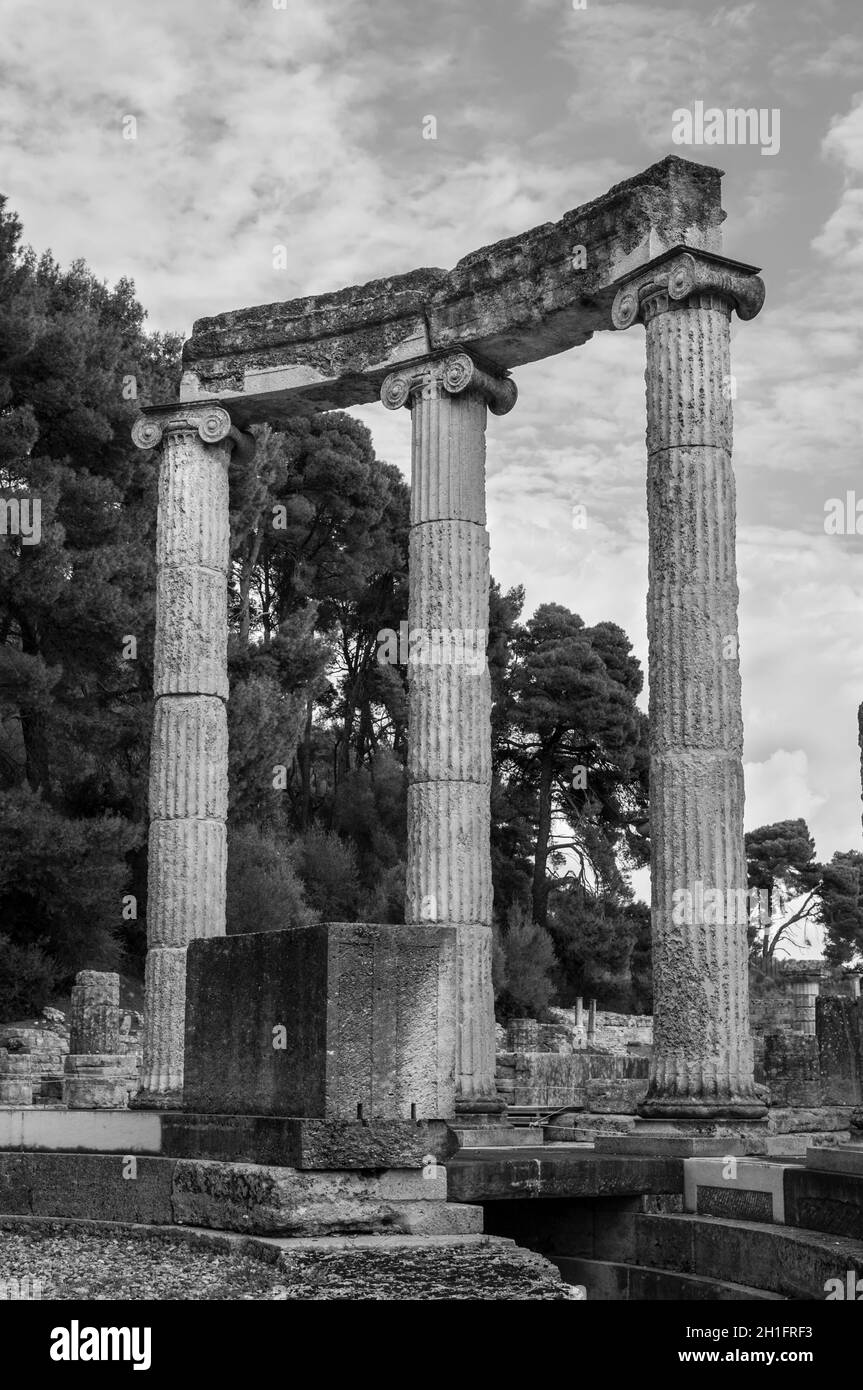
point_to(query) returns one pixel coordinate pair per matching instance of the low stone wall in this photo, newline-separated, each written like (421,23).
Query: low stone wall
(820,1069)
(596,1081)
(576,1030)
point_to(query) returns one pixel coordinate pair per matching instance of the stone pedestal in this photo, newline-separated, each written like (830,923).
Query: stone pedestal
(449,729)
(96,1081)
(189,754)
(16,1085)
(702,1065)
(339,1021)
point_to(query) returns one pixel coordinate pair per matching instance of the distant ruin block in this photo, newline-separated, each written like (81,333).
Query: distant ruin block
(522,1035)
(336,1021)
(16,1084)
(95,1012)
(94,1072)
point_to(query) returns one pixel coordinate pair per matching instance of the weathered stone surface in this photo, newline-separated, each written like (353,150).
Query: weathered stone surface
(95,1013)
(449,860)
(95,1081)
(283,1201)
(845,1158)
(189,759)
(452,746)
(682,1139)
(735,1204)
(104,1187)
(16,1084)
(188,862)
(798,1120)
(279,1141)
(485,1175)
(164,1018)
(188,770)
(191,646)
(703,1060)
(791,1263)
(448,436)
(448,871)
(192,529)
(824,1201)
(519,300)
(366,1012)
(70,1131)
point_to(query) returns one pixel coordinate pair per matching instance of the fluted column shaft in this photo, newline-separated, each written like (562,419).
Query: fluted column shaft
(189,750)
(449,696)
(702,1064)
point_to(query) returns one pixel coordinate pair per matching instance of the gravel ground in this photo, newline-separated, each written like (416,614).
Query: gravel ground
(86,1265)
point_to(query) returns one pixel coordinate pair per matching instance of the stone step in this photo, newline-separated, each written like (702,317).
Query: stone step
(497,1136)
(607,1281)
(245,1197)
(783,1260)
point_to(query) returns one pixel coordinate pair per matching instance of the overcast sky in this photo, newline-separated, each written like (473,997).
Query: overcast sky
(303,126)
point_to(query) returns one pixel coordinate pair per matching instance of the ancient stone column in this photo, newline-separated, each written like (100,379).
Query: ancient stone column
(95,1069)
(702,1065)
(449,729)
(189,751)
(805,988)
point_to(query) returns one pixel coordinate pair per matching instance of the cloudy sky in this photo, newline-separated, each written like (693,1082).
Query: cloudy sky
(261,123)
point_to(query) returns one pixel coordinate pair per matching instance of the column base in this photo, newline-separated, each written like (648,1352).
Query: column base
(95,1081)
(688,1138)
(480,1110)
(691,1108)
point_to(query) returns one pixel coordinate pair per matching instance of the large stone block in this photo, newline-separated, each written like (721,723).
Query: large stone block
(88,1186)
(283,1201)
(315,1022)
(280,1141)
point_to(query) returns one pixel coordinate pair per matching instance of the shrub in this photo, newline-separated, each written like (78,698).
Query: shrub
(264,891)
(27,980)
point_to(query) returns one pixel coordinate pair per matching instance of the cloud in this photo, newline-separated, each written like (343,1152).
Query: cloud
(302,127)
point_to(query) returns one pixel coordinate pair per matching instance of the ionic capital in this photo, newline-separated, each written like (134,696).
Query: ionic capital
(458,372)
(674,278)
(210,421)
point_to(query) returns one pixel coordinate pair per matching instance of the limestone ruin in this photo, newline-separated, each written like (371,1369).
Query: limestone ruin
(328,1079)
(442,344)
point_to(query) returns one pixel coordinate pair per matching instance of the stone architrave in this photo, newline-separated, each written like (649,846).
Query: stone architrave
(189,752)
(449,698)
(702,1066)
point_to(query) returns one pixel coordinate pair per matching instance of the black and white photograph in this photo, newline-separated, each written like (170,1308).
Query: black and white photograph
(431,676)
